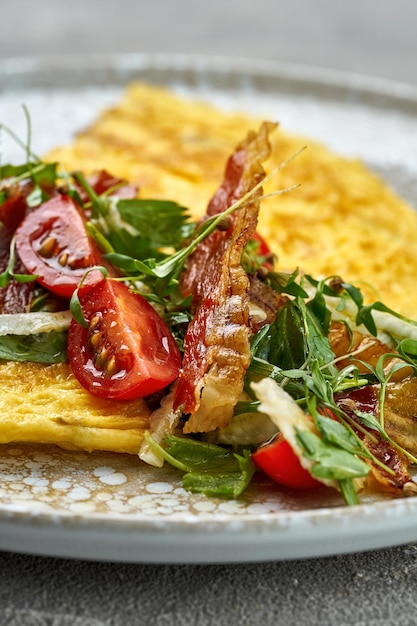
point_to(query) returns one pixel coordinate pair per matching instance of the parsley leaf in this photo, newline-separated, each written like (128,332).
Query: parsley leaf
(142,228)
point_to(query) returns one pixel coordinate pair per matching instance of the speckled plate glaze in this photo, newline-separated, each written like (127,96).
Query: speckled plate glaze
(112,507)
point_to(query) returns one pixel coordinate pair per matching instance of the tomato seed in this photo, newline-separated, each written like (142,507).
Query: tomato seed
(96,319)
(72,262)
(102,358)
(95,338)
(111,367)
(48,247)
(63,259)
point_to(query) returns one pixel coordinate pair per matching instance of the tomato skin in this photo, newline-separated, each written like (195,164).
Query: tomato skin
(278,461)
(102,183)
(127,351)
(53,244)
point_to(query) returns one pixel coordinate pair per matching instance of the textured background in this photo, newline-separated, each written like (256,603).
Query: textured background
(368,36)
(375,37)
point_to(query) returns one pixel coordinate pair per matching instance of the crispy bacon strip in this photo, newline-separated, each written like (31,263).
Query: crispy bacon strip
(268,300)
(366,400)
(217,351)
(367,349)
(399,420)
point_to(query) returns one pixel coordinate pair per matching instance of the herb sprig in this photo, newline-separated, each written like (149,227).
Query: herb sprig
(295,351)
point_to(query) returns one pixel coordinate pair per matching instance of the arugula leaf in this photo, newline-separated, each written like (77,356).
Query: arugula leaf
(337,434)
(288,341)
(319,311)
(331,462)
(14,171)
(228,482)
(319,384)
(370,421)
(208,469)
(50,347)
(197,455)
(298,334)
(43,174)
(407,348)
(348,491)
(317,324)
(8,273)
(364,312)
(286,283)
(260,342)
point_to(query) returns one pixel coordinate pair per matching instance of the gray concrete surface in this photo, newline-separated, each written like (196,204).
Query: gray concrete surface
(379,588)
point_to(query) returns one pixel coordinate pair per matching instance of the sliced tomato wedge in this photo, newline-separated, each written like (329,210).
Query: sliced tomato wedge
(278,461)
(127,351)
(53,244)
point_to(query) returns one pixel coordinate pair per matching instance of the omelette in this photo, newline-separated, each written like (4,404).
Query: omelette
(339,219)
(342,219)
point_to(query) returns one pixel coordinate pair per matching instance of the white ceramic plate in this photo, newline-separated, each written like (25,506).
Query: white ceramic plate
(104,506)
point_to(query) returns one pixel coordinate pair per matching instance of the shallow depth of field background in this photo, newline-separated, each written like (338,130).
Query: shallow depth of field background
(375,37)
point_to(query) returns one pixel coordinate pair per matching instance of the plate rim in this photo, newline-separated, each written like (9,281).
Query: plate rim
(181,541)
(62,69)
(39,527)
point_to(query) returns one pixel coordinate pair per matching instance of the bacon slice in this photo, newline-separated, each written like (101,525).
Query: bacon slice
(217,351)
(267,300)
(366,400)
(367,349)
(401,413)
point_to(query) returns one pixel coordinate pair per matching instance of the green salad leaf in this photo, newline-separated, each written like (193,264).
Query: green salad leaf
(208,468)
(50,347)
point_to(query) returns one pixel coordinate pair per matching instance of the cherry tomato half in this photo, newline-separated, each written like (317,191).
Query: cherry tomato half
(278,461)
(53,244)
(127,351)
